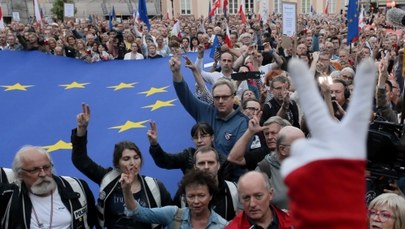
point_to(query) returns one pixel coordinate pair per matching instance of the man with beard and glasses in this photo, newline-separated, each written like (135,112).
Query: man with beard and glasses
(40,199)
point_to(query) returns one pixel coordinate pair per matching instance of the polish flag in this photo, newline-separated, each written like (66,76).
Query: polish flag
(227,38)
(241,11)
(176,30)
(1,19)
(216,5)
(361,18)
(326,11)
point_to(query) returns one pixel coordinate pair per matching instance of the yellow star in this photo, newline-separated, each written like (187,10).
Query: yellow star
(154,90)
(129,125)
(16,87)
(57,146)
(122,86)
(159,104)
(74,85)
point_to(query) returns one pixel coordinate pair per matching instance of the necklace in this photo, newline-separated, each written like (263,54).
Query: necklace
(41,225)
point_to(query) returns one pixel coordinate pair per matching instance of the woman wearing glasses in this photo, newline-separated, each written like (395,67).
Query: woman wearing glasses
(148,191)
(387,211)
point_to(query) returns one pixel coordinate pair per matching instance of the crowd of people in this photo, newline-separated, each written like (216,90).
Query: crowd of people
(245,169)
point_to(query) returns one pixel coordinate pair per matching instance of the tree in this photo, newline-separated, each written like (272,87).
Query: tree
(58,8)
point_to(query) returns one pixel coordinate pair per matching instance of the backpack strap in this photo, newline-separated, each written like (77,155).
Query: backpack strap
(9,174)
(234,193)
(178,218)
(154,188)
(77,187)
(108,178)
(102,196)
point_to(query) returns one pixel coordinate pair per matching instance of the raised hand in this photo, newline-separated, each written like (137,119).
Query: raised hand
(333,160)
(189,64)
(175,64)
(82,120)
(152,133)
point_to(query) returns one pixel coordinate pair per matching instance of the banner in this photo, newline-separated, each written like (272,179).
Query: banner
(40,96)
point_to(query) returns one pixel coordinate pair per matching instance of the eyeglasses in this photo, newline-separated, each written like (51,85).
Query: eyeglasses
(383,215)
(252,109)
(223,97)
(37,170)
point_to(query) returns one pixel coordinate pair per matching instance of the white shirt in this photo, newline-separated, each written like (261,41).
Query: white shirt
(61,217)
(132,56)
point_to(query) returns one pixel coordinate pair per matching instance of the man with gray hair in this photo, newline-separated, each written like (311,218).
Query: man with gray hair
(240,156)
(271,163)
(40,199)
(255,194)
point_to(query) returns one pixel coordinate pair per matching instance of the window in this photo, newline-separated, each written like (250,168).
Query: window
(332,7)
(277,6)
(185,7)
(306,6)
(233,6)
(249,7)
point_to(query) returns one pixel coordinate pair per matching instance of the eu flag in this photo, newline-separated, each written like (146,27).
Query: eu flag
(40,96)
(143,13)
(352,21)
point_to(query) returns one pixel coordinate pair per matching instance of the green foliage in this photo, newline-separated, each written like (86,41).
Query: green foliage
(57,8)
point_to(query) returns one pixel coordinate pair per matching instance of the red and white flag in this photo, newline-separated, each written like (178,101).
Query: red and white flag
(326,10)
(241,11)
(37,12)
(361,18)
(228,37)
(176,30)
(216,5)
(1,19)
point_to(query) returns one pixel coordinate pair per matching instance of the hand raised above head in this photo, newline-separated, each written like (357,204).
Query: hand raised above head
(83,119)
(152,133)
(334,158)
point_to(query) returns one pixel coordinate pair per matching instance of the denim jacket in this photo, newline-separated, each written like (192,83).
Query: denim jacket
(166,215)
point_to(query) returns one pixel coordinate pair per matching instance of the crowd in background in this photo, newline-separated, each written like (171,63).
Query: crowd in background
(266,109)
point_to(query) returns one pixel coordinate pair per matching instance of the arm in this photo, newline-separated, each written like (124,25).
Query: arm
(201,89)
(383,105)
(237,154)
(197,109)
(80,158)
(162,215)
(336,151)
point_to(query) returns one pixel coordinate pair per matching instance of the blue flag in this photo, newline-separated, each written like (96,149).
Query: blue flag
(352,21)
(113,13)
(214,47)
(111,18)
(143,13)
(40,96)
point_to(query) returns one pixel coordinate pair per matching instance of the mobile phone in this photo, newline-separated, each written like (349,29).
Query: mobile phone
(245,75)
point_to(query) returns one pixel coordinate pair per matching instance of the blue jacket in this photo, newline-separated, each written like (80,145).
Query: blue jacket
(166,215)
(227,131)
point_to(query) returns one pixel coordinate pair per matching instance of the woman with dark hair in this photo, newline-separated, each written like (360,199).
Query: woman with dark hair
(202,134)
(148,191)
(194,44)
(198,188)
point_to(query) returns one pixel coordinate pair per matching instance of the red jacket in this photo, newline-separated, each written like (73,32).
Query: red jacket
(241,221)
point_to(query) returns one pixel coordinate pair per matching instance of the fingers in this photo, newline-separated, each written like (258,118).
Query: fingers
(315,109)
(152,125)
(360,107)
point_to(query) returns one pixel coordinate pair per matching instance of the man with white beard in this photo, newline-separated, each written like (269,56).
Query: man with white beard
(39,199)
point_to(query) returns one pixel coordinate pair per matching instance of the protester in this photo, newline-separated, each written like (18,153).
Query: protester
(40,199)
(149,191)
